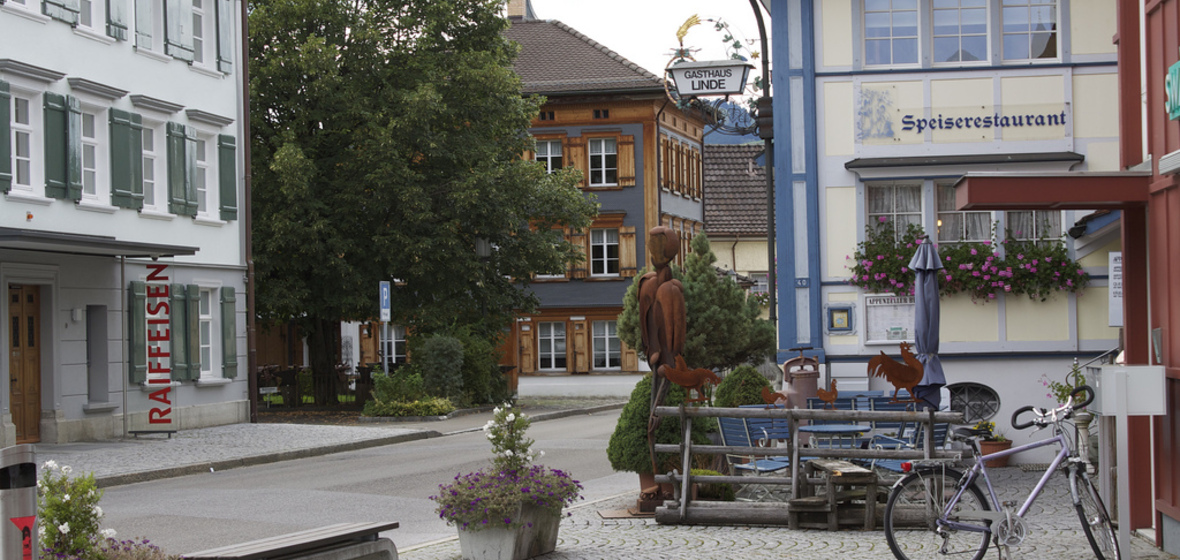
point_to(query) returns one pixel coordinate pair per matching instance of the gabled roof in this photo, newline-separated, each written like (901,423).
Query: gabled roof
(735,190)
(556,59)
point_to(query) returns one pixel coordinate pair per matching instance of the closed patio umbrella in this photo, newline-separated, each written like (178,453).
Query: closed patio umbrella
(926,265)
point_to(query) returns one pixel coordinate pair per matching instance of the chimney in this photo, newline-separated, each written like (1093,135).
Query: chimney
(516,8)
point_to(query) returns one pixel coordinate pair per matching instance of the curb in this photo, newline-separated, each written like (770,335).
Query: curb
(265,458)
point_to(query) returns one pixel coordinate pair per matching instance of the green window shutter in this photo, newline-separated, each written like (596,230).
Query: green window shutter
(143,23)
(74,148)
(126,159)
(178,29)
(179,325)
(229,333)
(227,176)
(178,176)
(136,302)
(117,19)
(225,35)
(64,10)
(56,145)
(193,332)
(190,159)
(5,137)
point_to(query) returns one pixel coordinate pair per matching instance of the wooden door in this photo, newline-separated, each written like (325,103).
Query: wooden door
(581,347)
(24,361)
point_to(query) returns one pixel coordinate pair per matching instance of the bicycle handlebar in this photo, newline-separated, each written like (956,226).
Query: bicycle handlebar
(1060,413)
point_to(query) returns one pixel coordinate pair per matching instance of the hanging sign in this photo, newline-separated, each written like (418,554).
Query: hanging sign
(715,77)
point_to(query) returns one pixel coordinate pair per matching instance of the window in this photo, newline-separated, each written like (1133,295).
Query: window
(960,30)
(22,143)
(604,252)
(954,226)
(551,345)
(897,204)
(206,332)
(149,26)
(607,348)
(201,176)
(602,113)
(891,32)
(549,153)
(199,32)
(395,347)
(94,157)
(86,13)
(761,282)
(1035,225)
(150,164)
(977,402)
(1029,29)
(603,162)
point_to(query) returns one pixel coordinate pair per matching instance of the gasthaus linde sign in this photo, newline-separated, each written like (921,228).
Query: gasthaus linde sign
(716,77)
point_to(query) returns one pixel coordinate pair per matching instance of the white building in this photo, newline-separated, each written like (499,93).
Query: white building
(880,107)
(122,240)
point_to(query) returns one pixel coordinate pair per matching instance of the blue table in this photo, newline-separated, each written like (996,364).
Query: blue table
(834,435)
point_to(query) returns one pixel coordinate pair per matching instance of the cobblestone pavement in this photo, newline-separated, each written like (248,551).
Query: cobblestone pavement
(1055,533)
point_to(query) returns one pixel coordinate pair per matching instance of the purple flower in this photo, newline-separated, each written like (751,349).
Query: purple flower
(883,219)
(974,252)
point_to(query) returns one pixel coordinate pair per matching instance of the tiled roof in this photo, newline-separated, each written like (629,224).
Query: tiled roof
(735,190)
(557,59)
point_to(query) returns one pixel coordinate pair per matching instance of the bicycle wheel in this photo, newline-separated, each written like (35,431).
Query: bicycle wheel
(1095,521)
(912,514)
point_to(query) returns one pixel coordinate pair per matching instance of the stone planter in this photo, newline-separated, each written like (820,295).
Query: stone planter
(989,447)
(514,543)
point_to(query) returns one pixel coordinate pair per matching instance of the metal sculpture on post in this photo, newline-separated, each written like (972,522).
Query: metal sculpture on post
(662,320)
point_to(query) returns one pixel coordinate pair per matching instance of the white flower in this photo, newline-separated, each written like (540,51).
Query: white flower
(65,498)
(491,435)
(64,528)
(108,533)
(66,469)
(507,452)
(51,464)
(41,531)
(97,511)
(510,418)
(540,454)
(489,425)
(507,405)
(496,410)
(40,484)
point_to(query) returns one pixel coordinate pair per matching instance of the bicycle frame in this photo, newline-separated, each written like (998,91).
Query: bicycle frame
(981,469)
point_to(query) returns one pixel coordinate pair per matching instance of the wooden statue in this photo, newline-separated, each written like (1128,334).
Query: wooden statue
(902,376)
(662,319)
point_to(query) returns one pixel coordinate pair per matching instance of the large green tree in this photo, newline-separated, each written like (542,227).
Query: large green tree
(724,326)
(386,144)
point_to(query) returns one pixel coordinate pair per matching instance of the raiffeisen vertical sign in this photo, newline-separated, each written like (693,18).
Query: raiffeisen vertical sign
(713,77)
(159,344)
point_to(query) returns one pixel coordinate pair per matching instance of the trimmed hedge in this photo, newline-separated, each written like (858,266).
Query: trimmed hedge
(743,385)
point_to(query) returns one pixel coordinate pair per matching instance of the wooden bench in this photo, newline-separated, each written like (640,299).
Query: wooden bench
(854,483)
(312,544)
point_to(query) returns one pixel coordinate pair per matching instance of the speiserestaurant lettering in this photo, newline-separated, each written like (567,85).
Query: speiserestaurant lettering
(941,122)
(159,343)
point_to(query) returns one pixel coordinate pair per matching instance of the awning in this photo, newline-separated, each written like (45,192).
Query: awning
(1052,191)
(78,244)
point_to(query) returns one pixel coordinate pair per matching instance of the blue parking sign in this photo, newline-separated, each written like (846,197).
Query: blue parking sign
(384,297)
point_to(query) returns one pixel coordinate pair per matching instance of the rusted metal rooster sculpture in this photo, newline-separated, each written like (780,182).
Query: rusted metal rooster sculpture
(902,375)
(691,379)
(828,395)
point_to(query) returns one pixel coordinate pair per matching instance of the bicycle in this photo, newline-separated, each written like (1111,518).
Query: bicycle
(936,511)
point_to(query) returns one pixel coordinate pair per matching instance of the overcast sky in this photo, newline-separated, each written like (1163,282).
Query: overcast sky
(644,31)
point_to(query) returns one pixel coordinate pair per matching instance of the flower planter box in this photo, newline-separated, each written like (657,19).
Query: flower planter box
(536,535)
(989,447)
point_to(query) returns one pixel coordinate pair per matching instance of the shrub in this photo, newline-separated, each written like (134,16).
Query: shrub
(512,450)
(434,406)
(718,492)
(483,382)
(440,359)
(68,511)
(743,385)
(404,384)
(627,449)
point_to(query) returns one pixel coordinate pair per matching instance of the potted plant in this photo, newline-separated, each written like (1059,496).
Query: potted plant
(993,443)
(513,510)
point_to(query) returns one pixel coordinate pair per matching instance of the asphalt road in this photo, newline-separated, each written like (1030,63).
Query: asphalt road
(391,483)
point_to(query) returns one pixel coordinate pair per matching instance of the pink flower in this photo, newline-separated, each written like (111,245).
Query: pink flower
(905,269)
(987,242)
(948,259)
(1081,272)
(1048,259)
(948,277)
(974,252)
(1019,256)
(1032,269)
(1007,288)
(883,219)
(880,257)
